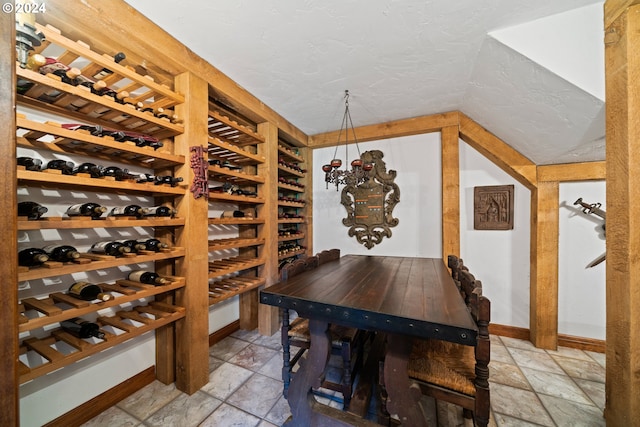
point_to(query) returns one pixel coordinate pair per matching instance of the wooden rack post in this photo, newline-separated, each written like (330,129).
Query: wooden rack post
(192,332)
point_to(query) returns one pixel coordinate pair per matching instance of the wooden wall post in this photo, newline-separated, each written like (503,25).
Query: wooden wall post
(543,305)
(450,152)
(268,319)
(192,332)
(622,68)
(8,224)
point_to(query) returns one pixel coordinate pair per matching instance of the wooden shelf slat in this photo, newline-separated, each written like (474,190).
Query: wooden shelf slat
(288,171)
(292,254)
(234,176)
(73,223)
(230,265)
(242,135)
(290,187)
(233,198)
(291,155)
(225,150)
(232,243)
(80,142)
(292,237)
(227,288)
(291,221)
(103,262)
(236,221)
(291,204)
(59,180)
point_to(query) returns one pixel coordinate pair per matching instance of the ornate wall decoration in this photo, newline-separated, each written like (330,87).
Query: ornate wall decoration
(370,204)
(493,207)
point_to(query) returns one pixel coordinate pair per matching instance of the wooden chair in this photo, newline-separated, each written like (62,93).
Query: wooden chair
(346,342)
(456,373)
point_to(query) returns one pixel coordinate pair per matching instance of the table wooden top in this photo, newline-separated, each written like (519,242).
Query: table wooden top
(411,296)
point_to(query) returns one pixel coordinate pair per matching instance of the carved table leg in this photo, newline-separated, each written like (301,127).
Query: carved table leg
(403,394)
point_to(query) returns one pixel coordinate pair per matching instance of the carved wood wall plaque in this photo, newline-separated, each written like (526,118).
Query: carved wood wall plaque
(370,205)
(493,207)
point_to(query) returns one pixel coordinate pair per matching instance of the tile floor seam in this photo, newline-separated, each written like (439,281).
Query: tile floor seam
(533,389)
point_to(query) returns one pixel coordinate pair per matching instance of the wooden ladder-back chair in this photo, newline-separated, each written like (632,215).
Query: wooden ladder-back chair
(344,341)
(456,373)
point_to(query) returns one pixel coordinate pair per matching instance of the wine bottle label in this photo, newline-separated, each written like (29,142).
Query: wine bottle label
(135,276)
(74,209)
(77,287)
(153,210)
(99,247)
(118,211)
(102,74)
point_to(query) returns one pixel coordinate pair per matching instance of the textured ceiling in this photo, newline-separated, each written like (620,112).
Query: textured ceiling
(407,58)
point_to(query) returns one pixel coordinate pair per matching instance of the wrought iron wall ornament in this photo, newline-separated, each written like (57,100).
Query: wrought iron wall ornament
(370,204)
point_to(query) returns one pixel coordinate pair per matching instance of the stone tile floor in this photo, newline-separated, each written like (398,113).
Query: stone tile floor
(529,387)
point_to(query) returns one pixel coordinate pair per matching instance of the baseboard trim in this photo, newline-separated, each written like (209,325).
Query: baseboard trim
(580,343)
(104,401)
(224,332)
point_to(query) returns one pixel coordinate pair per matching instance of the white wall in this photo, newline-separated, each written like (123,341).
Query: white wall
(419,232)
(499,258)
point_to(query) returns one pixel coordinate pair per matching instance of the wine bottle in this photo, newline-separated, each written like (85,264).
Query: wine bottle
(88,292)
(61,253)
(34,62)
(31,210)
(94,87)
(30,163)
(167,179)
(134,245)
(129,210)
(32,257)
(107,72)
(82,328)
(112,248)
(148,277)
(165,211)
(66,73)
(91,209)
(90,168)
(232,214)
(153,244)
(95,130)
(118,173)
(61,165)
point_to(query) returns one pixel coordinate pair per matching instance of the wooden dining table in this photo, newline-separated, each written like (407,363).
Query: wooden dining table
(404,297)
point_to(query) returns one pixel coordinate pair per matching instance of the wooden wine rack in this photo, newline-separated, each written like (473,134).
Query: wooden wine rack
(46,311)
(98,262)
(160,314)
(237,144)
(52,136)
(226,266)
(289,154)
(224,289)
(232,243)
(77,104)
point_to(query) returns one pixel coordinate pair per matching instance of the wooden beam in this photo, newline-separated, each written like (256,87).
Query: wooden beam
(8,225)
(394,129)
(450,191)
(622,71)
(543,304)
(614,8)
(268,316)
(111,26)
(587,171)
(192,332)
(493,148)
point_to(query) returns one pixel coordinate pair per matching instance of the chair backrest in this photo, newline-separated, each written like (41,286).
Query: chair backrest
(293,268)
(298,266)
(328,255)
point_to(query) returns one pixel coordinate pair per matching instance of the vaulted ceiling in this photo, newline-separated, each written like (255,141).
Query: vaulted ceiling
(531,72)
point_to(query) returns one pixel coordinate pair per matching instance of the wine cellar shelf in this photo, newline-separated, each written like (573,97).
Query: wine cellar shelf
(134,308)
(147,318)
(60,119)
(233,161)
